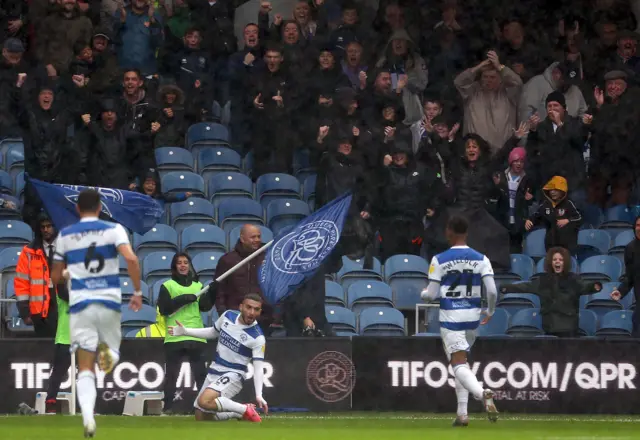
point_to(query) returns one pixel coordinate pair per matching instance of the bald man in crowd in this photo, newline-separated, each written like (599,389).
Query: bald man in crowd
(233,289)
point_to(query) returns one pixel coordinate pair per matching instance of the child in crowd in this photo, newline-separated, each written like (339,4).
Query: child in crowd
(559,216)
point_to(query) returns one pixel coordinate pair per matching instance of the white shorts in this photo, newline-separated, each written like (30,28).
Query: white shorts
(227,385)
(457,340)
(94,324)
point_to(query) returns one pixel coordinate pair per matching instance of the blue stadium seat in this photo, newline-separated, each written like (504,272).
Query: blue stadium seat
(592,216)
(617,219)
(282,213)
(155,289)
(6,183)
(596,239)
(199,238)
(15,159)
(174,159)
(616,323)
(14,233)
(381,321)
(522,267)
(156,265)
(592,242)
(274,186)
(353,270)
(407,275)
(239,211)
(309,190)
(364,294)
(193,211)
(8,213)
(497,326)
(19,186)
(526,323)
(213,160)
(333,294)
(588,323)
(205,263)
(6,145)
(15,324)
(207,133)
(514,302)
(126,285)
(9,259)
(226,184)
(234,235)
(302,164)
(8,287)
(142,318)
(247,163)
(619,244)
(340,318)
(601,303)
(601,267)
(158,238)
(183,181)
(624,238)
(432,321)
(534,244)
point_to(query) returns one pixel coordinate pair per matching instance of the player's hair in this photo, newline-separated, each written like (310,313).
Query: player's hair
(566,260)
(252,297)
(458,225)
(89,201)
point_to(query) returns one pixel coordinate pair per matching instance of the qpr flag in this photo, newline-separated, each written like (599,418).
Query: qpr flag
(297,253)
(135,211)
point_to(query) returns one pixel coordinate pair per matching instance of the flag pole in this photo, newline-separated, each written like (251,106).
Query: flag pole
(253,255)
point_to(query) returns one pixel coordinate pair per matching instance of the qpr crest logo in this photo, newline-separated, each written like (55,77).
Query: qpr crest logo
(111,195)
(305,248)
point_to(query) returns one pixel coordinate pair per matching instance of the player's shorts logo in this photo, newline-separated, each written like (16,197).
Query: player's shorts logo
(303,249)
(331,376)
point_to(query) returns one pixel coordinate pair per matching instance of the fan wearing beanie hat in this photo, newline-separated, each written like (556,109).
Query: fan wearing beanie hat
(556,108)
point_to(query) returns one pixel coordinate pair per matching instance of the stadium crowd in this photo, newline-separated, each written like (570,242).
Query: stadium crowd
(517,114)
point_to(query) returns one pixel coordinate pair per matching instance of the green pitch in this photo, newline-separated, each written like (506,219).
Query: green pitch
(343,426)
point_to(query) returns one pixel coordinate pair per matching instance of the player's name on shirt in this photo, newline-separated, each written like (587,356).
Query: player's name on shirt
(77,236)
(232,344)
(450,265)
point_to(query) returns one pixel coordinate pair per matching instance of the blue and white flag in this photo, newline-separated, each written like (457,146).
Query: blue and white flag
(297,253)
(135,211)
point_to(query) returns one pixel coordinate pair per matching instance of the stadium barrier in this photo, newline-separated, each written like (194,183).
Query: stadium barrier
(394,374)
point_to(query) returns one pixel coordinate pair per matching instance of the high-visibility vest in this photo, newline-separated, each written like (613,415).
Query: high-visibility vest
(33,280)
(157,330)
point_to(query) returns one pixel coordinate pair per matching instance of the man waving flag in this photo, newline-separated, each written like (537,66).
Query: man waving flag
(295,254)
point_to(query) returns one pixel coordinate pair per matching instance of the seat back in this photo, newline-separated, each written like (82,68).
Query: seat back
(381,321)
(196,238)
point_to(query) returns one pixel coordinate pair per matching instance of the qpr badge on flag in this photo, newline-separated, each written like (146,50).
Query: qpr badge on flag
(297,253)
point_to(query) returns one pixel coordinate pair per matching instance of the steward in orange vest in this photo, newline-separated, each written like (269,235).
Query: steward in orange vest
(35,292)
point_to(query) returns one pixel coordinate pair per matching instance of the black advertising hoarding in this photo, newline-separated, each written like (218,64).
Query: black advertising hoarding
(313,374)
(528,375)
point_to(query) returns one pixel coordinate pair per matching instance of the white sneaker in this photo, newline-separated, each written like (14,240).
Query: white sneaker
(90,429)
(492,411)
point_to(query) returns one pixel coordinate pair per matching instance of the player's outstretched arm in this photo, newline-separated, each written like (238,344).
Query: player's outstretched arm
(59,274)
(431,292)
(203,333)
(258,377)
(133,268)
(492,296)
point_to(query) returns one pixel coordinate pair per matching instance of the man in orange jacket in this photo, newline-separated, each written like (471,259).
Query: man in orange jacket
(35,292)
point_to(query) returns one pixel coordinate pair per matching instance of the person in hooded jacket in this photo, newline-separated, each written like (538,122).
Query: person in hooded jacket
(404,196)
(111,159)
(558,215)
(342,170)
(631,280)
(323,82)
(559,290)
(178,302)
(170,99)
(151,187)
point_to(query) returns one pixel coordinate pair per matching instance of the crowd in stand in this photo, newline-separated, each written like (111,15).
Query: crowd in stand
(519,114)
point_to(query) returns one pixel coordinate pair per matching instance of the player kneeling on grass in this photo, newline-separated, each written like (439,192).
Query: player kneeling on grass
(456,277)
(240,341)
